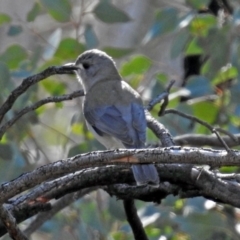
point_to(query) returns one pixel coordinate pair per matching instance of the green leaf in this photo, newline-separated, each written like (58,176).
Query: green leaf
(225,73)
(60,10)
(152,232)
(202,23)
(179,43)
(69,49)
(193,48)
(232,169)
(137,65)
(53,87)
(33,13)
(108,13)
(117,52)
(206,111)
(13,56)
(4,18)
(14,30)
(90,37)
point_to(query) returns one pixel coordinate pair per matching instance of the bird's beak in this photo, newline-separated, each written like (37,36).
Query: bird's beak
(71,66)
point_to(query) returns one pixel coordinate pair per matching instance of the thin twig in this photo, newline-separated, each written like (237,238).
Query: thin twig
(166,100)
(29,81)
(38,104)
(227,133)
(221,140)
(160,97)
(159,130)
(207,125)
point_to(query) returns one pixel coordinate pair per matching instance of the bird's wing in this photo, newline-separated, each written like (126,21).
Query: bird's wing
(128,124)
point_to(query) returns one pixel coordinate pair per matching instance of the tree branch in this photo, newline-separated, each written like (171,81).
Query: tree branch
(183,180)
(134,220)
(207,125)
(29,81)
(38,104)
(10,224)
(127,157)
(56,207)
(199,140)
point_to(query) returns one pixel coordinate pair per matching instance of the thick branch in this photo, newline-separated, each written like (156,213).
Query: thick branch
(182,180)
(122,156)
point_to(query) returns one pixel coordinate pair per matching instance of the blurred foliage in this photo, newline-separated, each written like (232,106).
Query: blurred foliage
(56,131)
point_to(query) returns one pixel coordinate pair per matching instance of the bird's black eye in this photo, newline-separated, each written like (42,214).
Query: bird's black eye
(86,65)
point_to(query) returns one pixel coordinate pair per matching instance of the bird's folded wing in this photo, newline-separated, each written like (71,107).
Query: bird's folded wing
(128,124)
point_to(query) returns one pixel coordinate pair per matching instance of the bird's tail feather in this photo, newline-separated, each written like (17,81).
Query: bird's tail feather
(145,174)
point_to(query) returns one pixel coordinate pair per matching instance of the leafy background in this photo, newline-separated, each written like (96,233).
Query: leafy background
(149,41)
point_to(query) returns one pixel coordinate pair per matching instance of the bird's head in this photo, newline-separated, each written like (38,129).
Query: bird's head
(94,66)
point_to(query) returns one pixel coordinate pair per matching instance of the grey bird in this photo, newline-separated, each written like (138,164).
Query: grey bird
(113,110)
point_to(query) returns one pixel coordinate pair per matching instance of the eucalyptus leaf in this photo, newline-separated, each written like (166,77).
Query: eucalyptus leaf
(4,18)
(108,13)
(69,49)
(14,30)
(34,12)
(60,10)
(202,23)
(225,73)
(193,48)
(137,65)
(13,55)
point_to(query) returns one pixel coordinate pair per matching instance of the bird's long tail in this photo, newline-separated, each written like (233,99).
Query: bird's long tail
(145,174)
